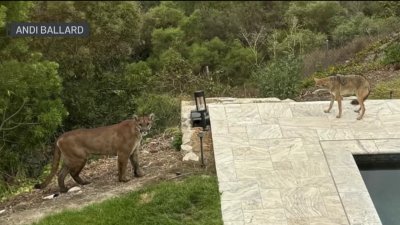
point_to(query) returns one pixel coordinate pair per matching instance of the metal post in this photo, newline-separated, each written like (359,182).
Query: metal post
(391,94)
(201,149)
(201,135)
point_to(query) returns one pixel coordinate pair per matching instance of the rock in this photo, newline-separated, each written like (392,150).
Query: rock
(186,137)
(145,152)
(186,148)
(74,189)
(288,100)
(191,156)
(50,196)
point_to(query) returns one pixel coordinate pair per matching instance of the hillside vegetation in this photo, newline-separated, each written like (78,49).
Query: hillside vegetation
(144,57)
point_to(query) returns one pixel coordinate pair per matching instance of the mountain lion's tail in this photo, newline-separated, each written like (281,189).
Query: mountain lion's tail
(54,168)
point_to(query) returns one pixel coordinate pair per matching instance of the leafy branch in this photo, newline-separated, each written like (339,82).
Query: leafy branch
(10,117)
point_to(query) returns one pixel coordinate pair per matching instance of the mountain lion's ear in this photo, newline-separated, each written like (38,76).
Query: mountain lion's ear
(135,117)
(152,116)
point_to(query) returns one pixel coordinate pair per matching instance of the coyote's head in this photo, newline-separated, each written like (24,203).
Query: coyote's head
(323,82)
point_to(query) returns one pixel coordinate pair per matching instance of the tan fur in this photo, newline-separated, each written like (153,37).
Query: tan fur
(122,139)
(345,85)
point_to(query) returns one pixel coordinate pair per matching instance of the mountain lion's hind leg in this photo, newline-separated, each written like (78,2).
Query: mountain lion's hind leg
(76,170)
(61,177)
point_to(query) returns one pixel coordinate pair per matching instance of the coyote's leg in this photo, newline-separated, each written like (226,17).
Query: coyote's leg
(330,104)
(339,101)
(362,107)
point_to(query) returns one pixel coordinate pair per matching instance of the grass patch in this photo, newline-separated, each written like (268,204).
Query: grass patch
(8,191)
(195,200)
(382,89)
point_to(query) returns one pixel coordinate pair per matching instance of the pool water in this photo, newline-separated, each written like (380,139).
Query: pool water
(382,178)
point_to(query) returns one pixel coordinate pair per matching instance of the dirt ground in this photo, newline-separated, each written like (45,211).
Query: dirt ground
(158,160)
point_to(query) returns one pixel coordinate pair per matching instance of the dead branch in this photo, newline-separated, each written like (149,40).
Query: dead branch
(253,40)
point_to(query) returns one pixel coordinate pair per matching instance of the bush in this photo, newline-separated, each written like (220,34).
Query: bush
(139,76)
(392,54)
(175,75)
(31,111)
(280,78)
(321,59)
(176,134)
(237,64)
(361,25)
(382,89)
(166,110)
(105,100)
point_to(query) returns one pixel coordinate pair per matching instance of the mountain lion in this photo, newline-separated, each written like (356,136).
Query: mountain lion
(122,139)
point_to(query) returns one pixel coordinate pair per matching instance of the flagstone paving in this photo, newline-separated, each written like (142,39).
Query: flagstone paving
(289,163)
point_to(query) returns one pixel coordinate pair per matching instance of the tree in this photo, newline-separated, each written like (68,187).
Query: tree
(163,39)
(95,91)
(175,75)
(207,57)
(316,16)
(30,114)
(237,64)
(31,110)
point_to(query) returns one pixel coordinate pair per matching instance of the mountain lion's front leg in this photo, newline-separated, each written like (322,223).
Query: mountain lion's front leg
(122,162)
(134,158)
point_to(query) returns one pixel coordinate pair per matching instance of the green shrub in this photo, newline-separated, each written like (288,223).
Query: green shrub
(31,111)
(176,134)
(382,89)
(106,100)
(165,108)
(392,54)
(280,78)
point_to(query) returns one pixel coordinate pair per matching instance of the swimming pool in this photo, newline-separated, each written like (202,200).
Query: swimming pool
(381,175)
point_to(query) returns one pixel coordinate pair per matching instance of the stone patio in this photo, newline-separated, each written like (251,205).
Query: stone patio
(287,163)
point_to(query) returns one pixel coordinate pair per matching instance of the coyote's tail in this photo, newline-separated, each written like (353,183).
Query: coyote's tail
(355,101)
(54,168)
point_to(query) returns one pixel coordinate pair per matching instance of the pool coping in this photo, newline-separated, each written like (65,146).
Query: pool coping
(338,141)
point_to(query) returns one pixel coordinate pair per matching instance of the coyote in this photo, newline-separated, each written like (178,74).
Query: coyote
(341,85)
